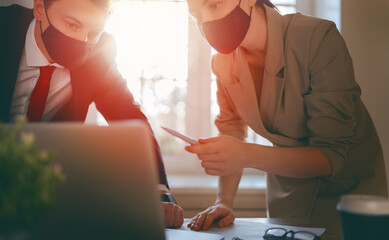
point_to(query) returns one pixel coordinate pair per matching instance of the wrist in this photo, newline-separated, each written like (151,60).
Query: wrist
(247,162)
(254,155)
(162,188)
(228,203)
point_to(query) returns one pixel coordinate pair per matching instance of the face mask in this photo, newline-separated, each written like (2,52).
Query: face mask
(66,51)
(226,34)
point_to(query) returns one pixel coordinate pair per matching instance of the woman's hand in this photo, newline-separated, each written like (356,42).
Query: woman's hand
(220,155)
(219,211)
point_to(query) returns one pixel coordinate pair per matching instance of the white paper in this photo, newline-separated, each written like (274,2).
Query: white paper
(250,229)
(174,234)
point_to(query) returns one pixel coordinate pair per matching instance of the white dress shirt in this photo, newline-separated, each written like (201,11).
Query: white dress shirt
(60,91)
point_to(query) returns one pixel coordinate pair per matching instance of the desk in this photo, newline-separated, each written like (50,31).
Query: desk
(299,223)
(279,221)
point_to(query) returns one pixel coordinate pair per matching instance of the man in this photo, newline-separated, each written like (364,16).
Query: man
(55,60)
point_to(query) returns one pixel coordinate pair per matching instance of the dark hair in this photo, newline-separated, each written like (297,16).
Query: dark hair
(267,3)
(100,3)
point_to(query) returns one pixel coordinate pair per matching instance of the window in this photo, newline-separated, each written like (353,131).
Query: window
(285,6)
(166,62)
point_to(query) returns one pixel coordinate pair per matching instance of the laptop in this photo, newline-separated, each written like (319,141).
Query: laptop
(110,190)
(111,183)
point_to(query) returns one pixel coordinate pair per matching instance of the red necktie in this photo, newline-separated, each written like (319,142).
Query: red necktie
(38,98)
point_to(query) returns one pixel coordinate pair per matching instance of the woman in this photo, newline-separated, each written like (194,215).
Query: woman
(290,78)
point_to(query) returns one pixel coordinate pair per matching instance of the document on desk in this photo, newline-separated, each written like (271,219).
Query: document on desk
(249,229)
(174,234)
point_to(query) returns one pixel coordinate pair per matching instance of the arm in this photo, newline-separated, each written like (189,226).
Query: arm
(333,102)
(115,102)
(228,185)
(229,123)
(303,162)
(174,214)
(110,93)
(222,209)
(222,155)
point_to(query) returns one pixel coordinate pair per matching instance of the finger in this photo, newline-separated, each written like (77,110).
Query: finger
(226,220)
(193,221)
(213,172)
(200,221)
(201,149)
(177,219)
(210,218)
(189,223)
(169,215)
(198,216)
(213,157)
(208,140)
(175,215)
(210,165)
(181,217)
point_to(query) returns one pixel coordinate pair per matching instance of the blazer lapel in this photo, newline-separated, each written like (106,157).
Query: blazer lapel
(273,80)
(242,90)
(11,50)
(272,95)
(243,94)
(271,99)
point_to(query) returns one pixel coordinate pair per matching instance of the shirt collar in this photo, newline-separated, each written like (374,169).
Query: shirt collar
(34,55)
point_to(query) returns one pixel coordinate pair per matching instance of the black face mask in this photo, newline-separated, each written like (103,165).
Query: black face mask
(66,51)
(226,34)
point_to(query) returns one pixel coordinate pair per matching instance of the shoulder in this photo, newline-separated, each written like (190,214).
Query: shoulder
(104,49)
(304,35)
(100,59)
(304,30)
(106,42)
(14,22)
(106,38)
(15,11)
(222,64)
(15,17)
(297,24)
(321,36)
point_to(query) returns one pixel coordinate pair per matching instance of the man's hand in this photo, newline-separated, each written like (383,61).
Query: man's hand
(174,215)
(219,211)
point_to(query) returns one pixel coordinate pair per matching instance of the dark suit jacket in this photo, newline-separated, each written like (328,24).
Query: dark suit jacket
(97,80)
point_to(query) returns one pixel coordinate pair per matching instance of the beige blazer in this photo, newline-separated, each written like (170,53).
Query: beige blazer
(309,98)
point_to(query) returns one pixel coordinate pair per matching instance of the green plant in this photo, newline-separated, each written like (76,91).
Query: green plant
(28,179)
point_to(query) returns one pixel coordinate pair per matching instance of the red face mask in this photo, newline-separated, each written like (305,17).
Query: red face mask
(66,51)
(226,34)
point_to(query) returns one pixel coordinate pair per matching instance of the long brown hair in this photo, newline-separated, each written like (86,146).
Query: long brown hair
(267,3)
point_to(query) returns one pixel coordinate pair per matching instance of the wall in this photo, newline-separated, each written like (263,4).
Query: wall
(365,27)
(26,3)
(326,9)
